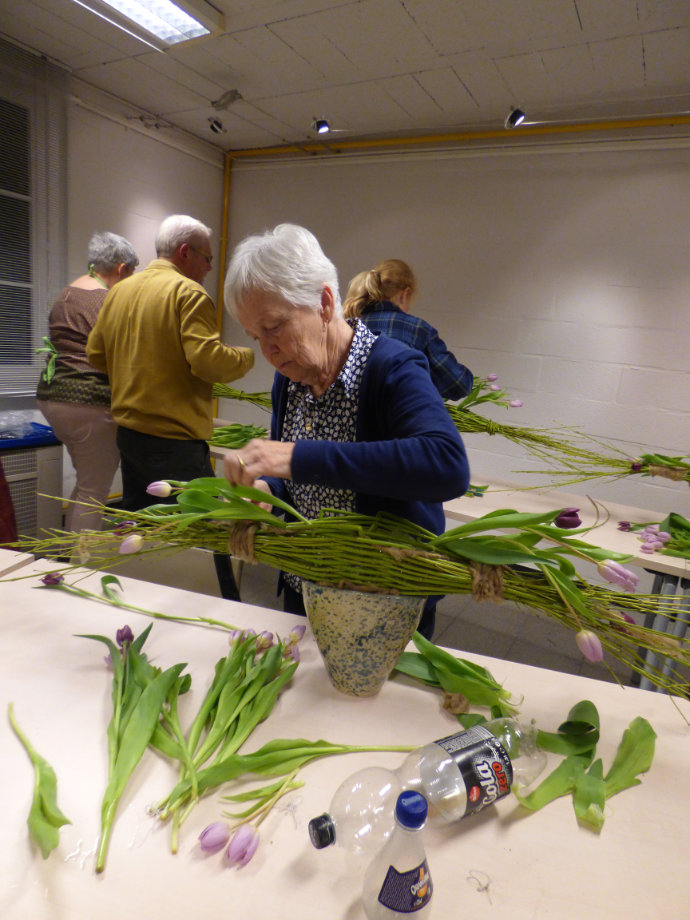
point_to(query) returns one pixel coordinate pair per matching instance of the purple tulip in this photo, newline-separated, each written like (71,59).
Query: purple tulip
(515,403)
(650,547)
(624,525)
(242,846)
(590,645)
(292,651)
(652,528)
(124,635)
(495,387)
(131,544)
(297,633)
(264,640)
(568,519)
(160,488)
(236,636)
(492,377)
(124,527)
(636,466)
(214,837)
(616,574)
(52,579)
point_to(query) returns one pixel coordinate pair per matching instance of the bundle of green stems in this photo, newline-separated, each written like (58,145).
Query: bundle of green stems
(224,391)
(388,555)
(570,460)
(236,435)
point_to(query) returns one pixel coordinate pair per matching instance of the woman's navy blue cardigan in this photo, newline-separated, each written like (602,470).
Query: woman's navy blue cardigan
(408,457)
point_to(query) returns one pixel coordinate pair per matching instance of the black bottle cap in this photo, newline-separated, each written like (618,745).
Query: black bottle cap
(322,831)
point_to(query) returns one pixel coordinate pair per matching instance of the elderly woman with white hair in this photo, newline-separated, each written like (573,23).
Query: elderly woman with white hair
(71,394)
(357,422)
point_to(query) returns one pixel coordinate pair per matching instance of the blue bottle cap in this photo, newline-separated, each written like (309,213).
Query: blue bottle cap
(411,809)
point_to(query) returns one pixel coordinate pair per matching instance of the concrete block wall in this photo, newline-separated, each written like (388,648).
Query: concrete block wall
(564,269)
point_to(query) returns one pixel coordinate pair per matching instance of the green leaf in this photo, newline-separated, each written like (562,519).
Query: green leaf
(416,665)
(45,817)
(559,782)
(634,755)
(460,666)
(578,734)
(589,796)
(494,551)
(113,596)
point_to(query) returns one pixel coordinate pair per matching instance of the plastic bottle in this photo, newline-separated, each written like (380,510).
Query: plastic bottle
(398,883)
(459,775)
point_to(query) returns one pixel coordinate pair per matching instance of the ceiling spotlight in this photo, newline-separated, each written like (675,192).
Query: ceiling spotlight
(515,118)
(227,99)
(321,126)
(216,125)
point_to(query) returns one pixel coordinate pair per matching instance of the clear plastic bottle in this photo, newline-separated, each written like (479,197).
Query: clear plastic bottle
(459,775)
(398,883)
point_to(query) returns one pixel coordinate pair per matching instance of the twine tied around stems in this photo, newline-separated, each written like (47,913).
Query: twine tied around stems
(493,427)
(487,582)
(676,473)
(241,541)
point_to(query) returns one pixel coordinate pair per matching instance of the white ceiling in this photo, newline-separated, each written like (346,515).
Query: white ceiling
(379,68)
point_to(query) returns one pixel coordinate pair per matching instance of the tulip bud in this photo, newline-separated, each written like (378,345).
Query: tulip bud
(614,573)
(590,645)
(160,488)
(214,837)
(568,519)
(515,403)
(297,633)
(264,640)
(131,544)
(492,377)
(624,525)
(124,635)
(52,579)
(242,846)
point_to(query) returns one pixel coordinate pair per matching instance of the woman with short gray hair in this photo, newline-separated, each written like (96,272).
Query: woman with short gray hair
(357,423)
(71,394)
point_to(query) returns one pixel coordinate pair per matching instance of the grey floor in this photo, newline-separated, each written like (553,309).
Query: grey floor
(499,630)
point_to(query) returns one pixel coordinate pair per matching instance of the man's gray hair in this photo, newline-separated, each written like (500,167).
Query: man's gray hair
(178,229)
(108,250)
(288,261)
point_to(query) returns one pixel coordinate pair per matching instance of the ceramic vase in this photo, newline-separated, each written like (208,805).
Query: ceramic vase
(360,634)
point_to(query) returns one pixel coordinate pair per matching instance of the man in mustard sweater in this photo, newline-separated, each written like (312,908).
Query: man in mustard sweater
(157,339)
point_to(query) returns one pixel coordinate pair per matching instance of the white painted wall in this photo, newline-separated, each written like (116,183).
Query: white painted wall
(564,269)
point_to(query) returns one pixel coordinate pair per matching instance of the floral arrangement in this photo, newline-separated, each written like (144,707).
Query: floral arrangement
(570,461)
(670,536)
(531,564)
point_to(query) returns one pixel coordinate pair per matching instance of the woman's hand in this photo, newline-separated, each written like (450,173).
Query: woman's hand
(259,457)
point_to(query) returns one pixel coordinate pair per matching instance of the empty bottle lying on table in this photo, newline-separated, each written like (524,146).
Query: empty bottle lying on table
(459,775)
(398,883)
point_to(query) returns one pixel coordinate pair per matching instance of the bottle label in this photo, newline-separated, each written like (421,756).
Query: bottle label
(406,892)
(483,763)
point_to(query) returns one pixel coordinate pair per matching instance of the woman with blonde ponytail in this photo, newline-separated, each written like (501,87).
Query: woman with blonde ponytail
(381,298)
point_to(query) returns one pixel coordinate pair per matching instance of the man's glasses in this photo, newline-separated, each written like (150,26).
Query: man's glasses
(209,259)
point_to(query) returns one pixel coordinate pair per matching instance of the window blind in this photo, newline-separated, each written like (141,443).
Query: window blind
(33,222)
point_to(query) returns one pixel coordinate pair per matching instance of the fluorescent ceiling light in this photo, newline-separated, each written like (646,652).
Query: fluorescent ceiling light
(164,20)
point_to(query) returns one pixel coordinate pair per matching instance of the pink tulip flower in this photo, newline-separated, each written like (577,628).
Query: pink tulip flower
(589,644)
(160,488)
(243,846)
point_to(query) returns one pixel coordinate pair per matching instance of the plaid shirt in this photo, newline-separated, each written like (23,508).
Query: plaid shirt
(452,379)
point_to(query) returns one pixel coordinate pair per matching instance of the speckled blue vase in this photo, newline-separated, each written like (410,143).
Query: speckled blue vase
(360,635)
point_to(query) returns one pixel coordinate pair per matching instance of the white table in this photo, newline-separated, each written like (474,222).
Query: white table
(539,866)
(502,494)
